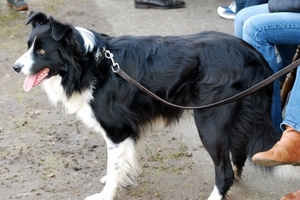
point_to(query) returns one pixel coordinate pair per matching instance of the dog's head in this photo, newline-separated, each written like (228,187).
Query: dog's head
(52,47)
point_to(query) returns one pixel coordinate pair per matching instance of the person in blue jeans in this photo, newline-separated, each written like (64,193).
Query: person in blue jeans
(287,149)
(265,32)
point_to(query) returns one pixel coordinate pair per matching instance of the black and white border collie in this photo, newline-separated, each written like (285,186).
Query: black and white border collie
(193,70)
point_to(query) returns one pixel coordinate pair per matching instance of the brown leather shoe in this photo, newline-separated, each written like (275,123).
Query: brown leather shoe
(292,196)
(159,4)
(285,151)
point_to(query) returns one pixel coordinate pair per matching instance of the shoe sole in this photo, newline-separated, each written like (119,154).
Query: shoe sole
(272,163)
(142,6)
(22,8)
(220,13)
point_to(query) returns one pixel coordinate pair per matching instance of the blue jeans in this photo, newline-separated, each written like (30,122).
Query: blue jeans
(240,4)
(292,112)
(264,30)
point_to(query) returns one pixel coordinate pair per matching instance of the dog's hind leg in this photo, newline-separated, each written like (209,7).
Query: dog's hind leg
(215,141)
(224,175)
(122,169)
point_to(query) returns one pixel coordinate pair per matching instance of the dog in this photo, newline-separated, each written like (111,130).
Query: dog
(72,65)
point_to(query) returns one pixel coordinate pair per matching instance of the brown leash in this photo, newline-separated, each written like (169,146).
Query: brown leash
(116,69)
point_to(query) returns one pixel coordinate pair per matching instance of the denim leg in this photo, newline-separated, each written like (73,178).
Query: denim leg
(287,52)
(240,4)
(265,30)
(244,15)
(292,117)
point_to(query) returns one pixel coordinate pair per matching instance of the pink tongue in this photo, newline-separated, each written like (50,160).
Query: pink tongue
(29,82)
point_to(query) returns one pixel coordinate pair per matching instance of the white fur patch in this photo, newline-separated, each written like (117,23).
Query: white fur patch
(235,171)
(78,103)
(88,37)
(288,172)
(122,169)
(215,194)
(26,60)
(122,162)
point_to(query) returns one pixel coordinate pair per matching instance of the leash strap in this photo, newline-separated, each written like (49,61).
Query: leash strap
(116,69)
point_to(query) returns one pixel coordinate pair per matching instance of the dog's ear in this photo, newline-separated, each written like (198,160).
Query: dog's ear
(59,30)
(36,18)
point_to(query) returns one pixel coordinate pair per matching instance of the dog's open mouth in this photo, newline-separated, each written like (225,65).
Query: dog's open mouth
(35,79)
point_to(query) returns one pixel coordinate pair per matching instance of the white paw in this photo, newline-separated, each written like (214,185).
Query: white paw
(103,179)
(97,196)
(102,196)
(215,195)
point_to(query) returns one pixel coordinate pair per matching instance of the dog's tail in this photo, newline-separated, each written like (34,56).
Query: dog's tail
(287,172)
(265,140)
(264,137)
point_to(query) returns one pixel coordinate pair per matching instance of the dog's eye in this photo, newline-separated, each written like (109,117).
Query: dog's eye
(41,51)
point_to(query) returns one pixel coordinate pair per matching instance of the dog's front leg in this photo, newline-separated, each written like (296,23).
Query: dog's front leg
(122,169)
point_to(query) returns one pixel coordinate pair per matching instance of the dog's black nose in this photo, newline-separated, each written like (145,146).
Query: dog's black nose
(17,67)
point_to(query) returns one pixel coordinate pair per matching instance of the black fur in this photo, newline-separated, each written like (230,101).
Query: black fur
(193,70)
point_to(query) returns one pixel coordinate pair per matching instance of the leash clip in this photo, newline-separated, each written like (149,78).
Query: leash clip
(115,66)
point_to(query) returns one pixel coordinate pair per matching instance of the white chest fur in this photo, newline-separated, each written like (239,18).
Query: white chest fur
(78,103)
